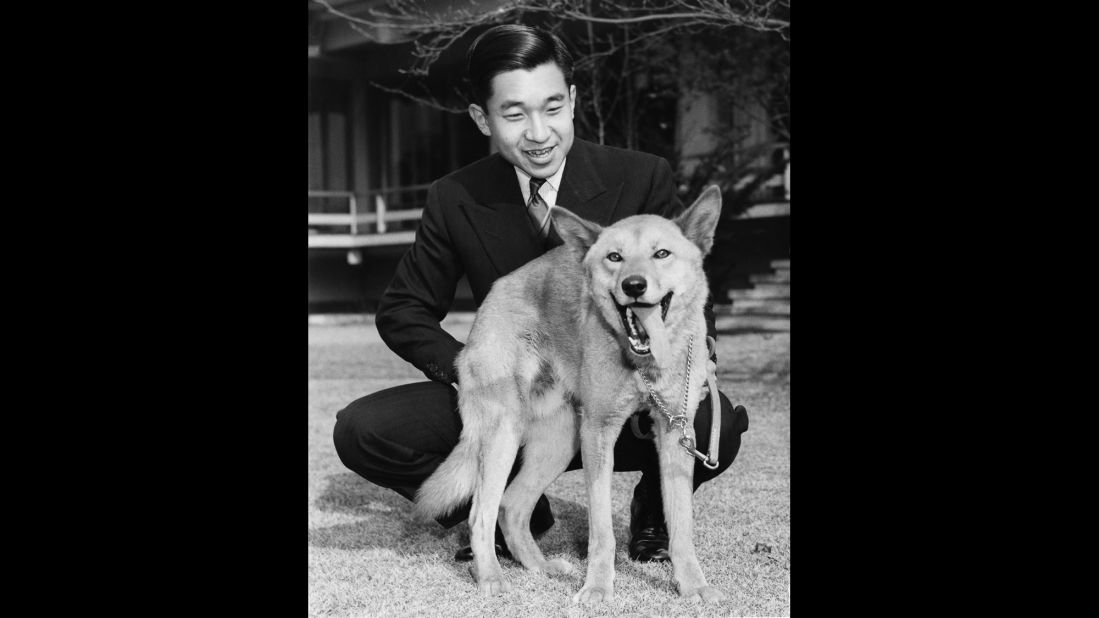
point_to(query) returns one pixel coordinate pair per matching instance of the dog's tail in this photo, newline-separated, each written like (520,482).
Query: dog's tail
(455,480)
(488,400)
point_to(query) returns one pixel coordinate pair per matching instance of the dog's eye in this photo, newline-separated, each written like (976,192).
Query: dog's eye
(663,253)
(614,257)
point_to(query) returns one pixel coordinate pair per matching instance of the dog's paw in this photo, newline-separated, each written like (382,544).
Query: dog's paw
(493,585)
(594,594)
(492,582)
(709,594)
(557,566)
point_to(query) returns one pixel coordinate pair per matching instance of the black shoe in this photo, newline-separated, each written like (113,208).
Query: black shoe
(648,534)
(540,521)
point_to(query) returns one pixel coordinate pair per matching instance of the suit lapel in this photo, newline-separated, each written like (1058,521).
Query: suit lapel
(583,190)
(499,219)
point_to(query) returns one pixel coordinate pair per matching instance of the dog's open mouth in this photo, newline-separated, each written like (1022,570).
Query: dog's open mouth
(636,316)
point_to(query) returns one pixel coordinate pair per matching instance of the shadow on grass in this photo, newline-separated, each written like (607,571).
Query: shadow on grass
(385,517)
(386,521)
(349,493)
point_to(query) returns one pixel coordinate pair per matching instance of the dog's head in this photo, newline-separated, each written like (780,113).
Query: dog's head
(645,271)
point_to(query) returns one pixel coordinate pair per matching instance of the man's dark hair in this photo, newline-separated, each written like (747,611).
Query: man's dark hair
(509,47)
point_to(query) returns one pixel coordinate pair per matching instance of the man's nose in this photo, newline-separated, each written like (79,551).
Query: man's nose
(538,131)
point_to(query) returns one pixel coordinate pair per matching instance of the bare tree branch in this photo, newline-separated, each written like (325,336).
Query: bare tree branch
(429,102)
(733,19)
(621,40)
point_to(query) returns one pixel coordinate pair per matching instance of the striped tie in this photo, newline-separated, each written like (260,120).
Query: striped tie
(538,209)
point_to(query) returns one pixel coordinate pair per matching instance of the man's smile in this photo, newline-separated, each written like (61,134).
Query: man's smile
(539,153)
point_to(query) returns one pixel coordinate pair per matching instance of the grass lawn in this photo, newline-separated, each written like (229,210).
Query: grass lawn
(369,557)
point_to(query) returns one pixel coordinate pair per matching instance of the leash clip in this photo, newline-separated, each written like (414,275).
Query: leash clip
(689,444)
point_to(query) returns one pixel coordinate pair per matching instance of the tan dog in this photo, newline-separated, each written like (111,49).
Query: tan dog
(561,342)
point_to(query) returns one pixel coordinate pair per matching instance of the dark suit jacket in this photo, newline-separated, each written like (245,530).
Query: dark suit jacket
(475,223)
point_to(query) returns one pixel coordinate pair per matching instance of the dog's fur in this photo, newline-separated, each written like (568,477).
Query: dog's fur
(548,352)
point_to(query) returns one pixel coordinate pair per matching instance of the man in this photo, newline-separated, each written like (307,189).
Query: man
(484,221)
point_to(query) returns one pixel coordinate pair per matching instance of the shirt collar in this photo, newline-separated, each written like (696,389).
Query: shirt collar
(554,181)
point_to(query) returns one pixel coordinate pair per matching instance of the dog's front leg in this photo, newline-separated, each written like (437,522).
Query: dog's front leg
(597,437)
(676,477)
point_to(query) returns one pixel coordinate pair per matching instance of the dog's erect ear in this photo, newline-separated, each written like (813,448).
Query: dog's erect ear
(574,230)
(699,222)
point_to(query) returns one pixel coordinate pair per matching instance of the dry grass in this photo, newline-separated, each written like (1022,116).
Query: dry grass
(369,557)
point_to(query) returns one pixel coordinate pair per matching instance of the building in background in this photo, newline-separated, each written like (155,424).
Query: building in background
(373,152)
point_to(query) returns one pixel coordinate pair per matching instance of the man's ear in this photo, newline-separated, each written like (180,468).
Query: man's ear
(572,98)
(577,232)
(699,222)
(478,116)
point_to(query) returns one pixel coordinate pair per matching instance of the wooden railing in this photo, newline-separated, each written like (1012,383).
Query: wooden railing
(353,226)
(777,186)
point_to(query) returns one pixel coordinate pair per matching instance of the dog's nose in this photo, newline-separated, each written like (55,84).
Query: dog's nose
(634,285)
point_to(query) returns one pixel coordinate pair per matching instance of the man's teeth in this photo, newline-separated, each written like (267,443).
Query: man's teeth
(539,153)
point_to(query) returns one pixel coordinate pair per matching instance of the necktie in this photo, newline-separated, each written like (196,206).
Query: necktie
(538,210)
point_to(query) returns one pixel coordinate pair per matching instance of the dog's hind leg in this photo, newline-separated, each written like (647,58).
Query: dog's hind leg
(597,437)
(551,442)
(676,473)
(498,450)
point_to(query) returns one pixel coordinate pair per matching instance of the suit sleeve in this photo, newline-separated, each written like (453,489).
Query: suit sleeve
(662,200)
(420,295)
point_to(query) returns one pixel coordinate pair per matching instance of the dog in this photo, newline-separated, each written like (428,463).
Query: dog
(562,351)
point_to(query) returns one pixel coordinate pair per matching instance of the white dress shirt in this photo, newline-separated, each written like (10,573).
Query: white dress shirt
(548,191)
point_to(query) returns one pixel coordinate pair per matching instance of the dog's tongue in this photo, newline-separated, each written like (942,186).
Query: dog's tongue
(653,324)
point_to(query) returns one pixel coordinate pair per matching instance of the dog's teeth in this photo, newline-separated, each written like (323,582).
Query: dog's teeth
(638,343)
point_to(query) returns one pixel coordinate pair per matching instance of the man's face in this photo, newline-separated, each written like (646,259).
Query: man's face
(529,118)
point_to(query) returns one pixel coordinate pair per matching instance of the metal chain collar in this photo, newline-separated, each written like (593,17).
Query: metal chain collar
(679,420)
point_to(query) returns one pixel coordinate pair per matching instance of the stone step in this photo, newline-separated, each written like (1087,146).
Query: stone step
(783,272)
(777,277)
(749,306)
(760,302)
(733,322)
(776,264)
(763,290)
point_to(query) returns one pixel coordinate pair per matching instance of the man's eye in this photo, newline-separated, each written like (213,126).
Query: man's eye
(660,255)
(553,110)
(513,116)
(614,257)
